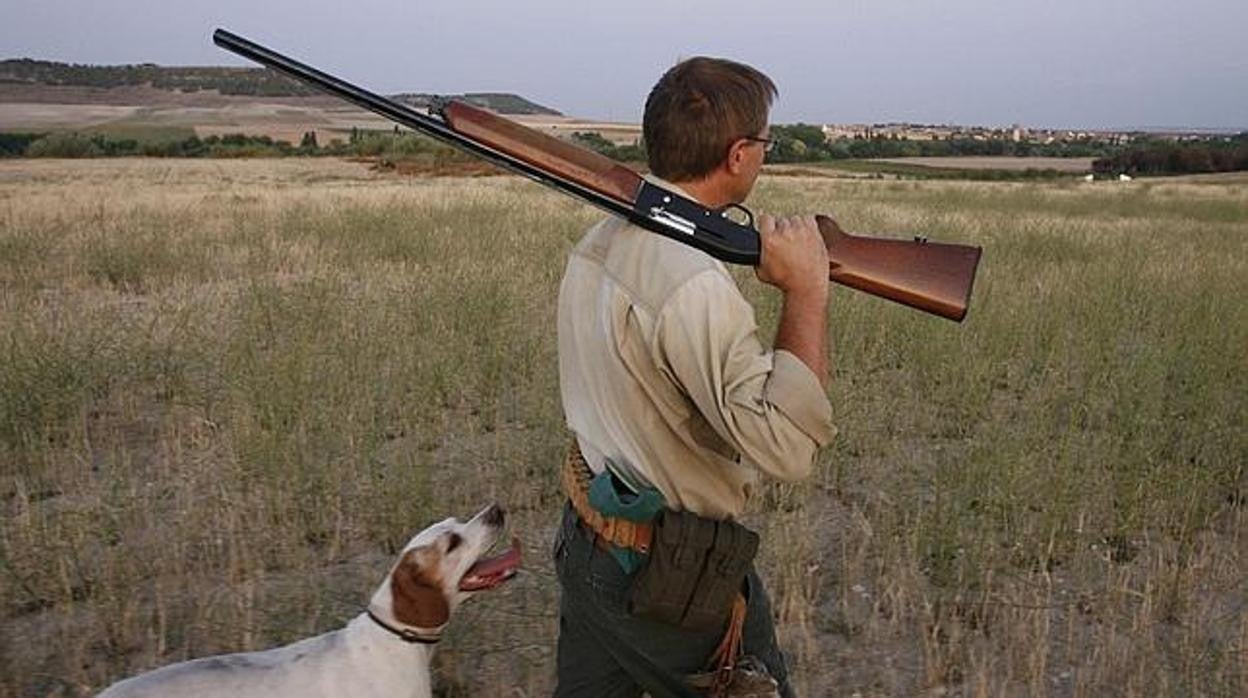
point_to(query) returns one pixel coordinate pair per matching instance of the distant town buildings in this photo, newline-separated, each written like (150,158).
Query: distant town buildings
(1016,133)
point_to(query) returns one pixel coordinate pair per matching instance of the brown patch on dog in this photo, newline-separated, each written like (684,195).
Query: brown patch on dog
(416,591)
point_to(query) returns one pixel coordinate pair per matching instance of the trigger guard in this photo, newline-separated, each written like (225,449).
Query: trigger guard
(749,215)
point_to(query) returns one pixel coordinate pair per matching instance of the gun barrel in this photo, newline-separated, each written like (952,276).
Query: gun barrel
(608,190)
(335,86)
(406,116)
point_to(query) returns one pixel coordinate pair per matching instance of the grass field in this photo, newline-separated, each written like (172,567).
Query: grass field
(229,390)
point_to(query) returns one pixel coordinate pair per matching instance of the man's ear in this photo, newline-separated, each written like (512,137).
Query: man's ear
(735,162)
(416,590)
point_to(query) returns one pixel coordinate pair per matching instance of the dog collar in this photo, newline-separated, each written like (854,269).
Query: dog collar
(405,634)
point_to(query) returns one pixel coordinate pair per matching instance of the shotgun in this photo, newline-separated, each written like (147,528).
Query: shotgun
(933,277)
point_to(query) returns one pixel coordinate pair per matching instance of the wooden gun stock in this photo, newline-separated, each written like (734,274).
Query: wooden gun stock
(933,277)
(930,276)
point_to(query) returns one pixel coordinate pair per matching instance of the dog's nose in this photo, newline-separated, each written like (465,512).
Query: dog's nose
(495,515)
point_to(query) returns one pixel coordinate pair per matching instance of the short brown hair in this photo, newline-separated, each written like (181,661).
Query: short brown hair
(695,112)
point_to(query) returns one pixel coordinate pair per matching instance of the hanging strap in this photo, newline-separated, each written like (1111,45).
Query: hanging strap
(724,660)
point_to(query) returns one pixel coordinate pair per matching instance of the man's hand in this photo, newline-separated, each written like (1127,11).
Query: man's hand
(794,258)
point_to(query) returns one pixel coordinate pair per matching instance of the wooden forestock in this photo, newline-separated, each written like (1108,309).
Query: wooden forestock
(592,170)
(929,276)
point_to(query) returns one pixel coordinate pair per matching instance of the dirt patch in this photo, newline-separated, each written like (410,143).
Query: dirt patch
(37,116)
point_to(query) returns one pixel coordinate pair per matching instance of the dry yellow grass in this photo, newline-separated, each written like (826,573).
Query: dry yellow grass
(230,388)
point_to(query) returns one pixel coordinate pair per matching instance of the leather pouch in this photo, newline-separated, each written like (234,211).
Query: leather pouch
(695,568)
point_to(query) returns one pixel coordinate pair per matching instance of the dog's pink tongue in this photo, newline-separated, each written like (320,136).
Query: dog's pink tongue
(489,572)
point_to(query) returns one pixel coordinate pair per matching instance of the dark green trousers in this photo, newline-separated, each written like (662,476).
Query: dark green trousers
(605,652)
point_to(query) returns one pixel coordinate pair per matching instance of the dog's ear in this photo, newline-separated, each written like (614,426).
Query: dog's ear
(417,591)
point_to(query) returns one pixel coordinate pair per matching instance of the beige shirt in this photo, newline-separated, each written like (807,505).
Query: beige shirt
(662,373)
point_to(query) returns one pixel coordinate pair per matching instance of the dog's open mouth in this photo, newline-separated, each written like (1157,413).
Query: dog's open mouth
(489,572)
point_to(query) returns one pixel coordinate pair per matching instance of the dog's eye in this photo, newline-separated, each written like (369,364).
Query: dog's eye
(454,542)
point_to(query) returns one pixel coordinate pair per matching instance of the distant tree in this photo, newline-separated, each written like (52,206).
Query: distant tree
(594,141)
(811,136)
(1161,158)
(796,148)
(15,144)
(64,145)
(909,149)
(839,149)
(635,152)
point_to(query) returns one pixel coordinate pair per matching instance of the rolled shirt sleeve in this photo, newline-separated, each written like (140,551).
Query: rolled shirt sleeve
(766,405)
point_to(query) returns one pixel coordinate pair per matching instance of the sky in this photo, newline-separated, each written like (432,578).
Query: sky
(1041,63)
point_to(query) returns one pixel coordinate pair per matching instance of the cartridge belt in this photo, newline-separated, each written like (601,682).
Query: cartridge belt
(631,535)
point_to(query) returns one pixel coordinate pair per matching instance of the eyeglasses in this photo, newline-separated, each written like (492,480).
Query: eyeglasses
(769,144)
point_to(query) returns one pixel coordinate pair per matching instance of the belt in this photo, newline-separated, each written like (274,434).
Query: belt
(622,533)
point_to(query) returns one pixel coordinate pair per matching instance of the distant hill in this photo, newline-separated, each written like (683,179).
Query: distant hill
(228,81)
(260,82)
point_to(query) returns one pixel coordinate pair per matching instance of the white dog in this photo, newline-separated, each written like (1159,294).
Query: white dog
(384,651)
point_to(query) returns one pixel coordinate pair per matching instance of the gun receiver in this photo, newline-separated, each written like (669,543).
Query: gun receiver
(933,277)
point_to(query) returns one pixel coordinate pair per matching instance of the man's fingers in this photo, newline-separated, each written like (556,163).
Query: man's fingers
(793,253)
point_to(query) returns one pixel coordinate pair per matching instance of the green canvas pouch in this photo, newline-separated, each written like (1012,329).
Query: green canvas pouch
(695,568)
(727,562)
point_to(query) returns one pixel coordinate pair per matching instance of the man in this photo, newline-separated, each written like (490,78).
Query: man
(668,389)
